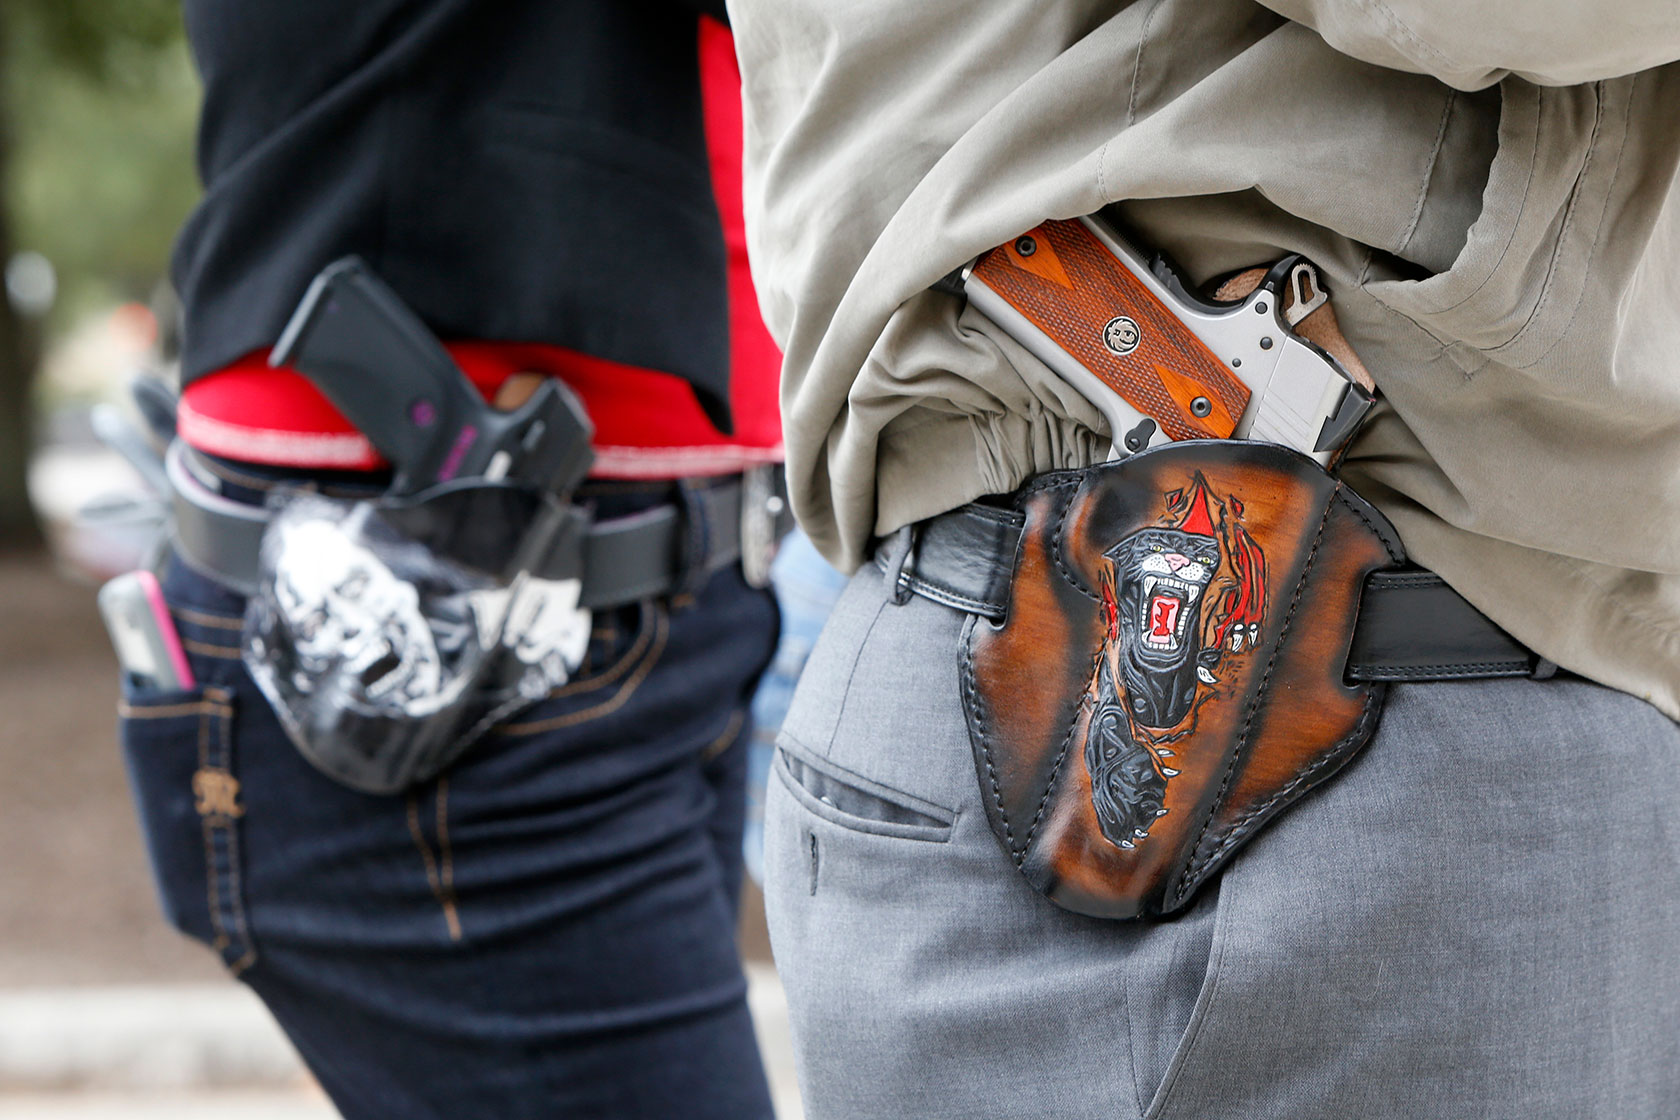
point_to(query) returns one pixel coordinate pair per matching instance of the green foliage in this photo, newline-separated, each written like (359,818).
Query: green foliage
(101,38)
(101,100)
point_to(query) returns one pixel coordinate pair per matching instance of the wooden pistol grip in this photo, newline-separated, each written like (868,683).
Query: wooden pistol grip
(1066,283)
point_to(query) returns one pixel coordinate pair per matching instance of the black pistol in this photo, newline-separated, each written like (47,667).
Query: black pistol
(373,358)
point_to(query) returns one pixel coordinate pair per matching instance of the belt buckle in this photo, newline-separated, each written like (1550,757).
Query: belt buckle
(762,510)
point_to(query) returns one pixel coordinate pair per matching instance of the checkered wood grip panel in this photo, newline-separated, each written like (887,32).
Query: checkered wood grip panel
(1068,285)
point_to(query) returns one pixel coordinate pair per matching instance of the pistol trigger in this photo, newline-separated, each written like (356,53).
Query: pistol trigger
(1309,294)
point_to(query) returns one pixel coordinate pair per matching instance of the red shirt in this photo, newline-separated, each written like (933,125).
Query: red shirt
(647,423)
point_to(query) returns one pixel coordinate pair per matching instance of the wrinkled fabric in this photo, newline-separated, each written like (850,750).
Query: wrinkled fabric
(1552,42)
(1501,252)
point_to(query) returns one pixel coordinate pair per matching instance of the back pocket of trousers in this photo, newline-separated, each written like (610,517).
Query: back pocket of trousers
(179,751)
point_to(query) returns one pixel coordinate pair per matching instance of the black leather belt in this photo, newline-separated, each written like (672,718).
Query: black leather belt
(625,559)
(1411,627)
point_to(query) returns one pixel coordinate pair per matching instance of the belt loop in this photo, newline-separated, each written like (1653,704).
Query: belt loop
(901,550)
(694,538)
(1543,669)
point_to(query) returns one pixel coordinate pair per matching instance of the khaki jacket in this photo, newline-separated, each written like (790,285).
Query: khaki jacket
(1489,188)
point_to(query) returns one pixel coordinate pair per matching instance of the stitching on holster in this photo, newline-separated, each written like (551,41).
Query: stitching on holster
(977,706)
(1197,863)
(1240,831)
(1055,772)
(1444,672)
(1383,532)
(1406,581)
(1056,548)
(977,716)
(1067,737)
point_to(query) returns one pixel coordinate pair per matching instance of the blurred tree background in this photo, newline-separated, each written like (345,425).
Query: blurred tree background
(97,104)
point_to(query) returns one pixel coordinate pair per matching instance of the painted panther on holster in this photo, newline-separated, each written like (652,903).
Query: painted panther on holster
(1169,675)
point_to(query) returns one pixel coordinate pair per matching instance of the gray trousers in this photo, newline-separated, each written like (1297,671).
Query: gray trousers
(1479,918)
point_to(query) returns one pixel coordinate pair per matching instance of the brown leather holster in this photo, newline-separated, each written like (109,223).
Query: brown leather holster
(1169,674)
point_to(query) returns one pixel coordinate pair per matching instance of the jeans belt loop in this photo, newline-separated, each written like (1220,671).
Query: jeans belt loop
(694,538)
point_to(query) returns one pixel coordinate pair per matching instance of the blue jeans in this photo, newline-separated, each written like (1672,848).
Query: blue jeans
(545,930)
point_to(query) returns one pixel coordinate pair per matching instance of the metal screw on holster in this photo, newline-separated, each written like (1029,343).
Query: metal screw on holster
(1026,246)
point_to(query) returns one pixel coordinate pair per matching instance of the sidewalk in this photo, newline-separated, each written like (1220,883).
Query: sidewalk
(300,1105)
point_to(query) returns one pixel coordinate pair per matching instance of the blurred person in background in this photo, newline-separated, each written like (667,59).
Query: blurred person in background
(546,927)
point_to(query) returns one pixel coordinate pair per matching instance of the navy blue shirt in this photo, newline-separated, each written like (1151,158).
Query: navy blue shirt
(519,171)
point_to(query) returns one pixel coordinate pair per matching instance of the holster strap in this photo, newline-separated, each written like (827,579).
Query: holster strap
(644,555)
(1412,626)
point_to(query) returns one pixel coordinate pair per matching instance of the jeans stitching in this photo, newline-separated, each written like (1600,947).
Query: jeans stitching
(204,649)
(851,673)
(727,739)
(211,878)
(433,880)
(203,618)
(169,711)
(661,634)
(221,842)
(229,828)
(618,668)
(446,859)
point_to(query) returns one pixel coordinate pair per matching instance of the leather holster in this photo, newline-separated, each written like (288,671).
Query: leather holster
(1168,676)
